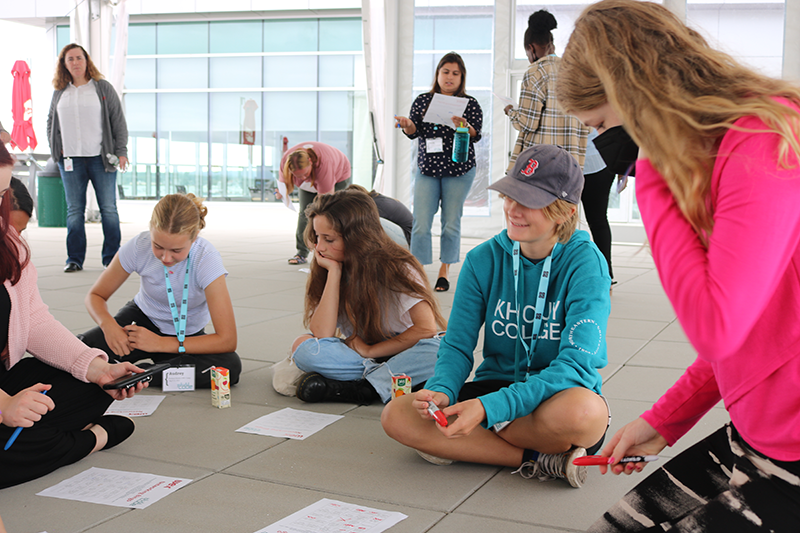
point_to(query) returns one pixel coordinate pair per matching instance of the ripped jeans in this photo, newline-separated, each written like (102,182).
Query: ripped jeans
(332,358)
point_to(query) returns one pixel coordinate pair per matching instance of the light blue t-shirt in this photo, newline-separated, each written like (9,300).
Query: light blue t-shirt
(593,162)
(137,256)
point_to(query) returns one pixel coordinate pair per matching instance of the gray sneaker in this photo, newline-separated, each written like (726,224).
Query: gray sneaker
(557,466)
(440,461)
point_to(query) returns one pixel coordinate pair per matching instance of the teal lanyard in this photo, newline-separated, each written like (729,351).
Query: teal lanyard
(541,296)
(179,320)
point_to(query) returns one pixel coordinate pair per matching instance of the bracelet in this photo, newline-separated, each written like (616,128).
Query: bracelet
(181,349)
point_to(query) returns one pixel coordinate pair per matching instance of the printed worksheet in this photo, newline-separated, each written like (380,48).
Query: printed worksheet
(115,487)
(139,405)
(443,108)
(331,516)
(289,424)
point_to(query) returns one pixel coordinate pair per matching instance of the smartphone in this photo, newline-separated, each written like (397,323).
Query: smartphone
(130,380)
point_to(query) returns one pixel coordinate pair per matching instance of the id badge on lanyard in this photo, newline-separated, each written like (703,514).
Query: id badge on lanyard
(179,318)
(541,296)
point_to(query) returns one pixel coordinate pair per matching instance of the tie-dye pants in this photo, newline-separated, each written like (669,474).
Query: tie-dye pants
(719,484)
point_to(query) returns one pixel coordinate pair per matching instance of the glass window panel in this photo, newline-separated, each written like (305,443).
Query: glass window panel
(230,112)
(340,34)
(184,73)
(424,68)
(231,37)
(423,33)
(290,35)
(291,112)
(183,116)
(479,70)
(290,71)
(182,37)
(336,71)
(141,39)
(462,33)
(140,114)
(140,74)
(565,16)
(62,37)
(235,72)
(336,111)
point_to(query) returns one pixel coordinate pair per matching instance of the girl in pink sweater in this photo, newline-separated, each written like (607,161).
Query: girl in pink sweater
(56,395)
(717,182)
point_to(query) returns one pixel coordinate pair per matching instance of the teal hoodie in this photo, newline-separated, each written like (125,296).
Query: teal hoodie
(571,347)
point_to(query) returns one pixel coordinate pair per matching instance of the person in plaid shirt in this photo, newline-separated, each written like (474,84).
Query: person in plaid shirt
(538,117)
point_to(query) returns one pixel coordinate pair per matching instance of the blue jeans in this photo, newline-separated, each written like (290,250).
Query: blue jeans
(84,170)
(429,192)
(332,358)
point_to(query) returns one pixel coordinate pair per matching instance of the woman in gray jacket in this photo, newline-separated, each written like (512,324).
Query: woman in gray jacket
(88,140)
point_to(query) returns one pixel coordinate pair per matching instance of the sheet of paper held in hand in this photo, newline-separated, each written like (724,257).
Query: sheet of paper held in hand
(114,487)
(331,516)
(289,424)
(443,108)
(285,196)
(139,405)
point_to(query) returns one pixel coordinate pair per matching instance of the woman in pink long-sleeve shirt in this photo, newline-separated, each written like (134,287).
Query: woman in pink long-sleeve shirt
(313,168)
(717,182)
(56,395)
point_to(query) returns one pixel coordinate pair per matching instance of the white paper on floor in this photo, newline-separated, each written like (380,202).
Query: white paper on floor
(331,516)
(289,424)
(139,405)
(115,487)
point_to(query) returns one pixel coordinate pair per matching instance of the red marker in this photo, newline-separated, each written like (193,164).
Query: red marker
(437,414)
(597,460)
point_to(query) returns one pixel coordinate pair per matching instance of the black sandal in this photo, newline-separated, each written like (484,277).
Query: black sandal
(442,285)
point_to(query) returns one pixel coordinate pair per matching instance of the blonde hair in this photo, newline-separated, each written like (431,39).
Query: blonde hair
(179,214)
(62,77)
(675,95)
(565,215)
(297,160)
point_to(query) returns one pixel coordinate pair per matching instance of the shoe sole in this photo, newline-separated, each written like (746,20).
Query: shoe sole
(439,461)
(576,475)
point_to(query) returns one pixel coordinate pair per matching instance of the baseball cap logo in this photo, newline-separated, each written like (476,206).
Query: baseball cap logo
(531,168)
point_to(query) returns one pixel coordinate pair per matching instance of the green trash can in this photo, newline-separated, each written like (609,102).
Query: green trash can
(52,208)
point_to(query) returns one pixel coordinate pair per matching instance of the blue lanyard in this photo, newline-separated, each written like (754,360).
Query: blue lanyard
(541,296)
(179,321)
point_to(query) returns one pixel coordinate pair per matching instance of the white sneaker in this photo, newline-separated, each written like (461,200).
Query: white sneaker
(440,461)
(557,466)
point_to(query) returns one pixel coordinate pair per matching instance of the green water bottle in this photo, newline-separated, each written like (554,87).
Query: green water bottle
(461,144)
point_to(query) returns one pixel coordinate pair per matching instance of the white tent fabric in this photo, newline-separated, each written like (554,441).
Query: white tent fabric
(374,27)
(120,48)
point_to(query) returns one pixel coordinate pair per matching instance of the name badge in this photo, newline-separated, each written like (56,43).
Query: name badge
(68,164)
(178,379)
(433,146)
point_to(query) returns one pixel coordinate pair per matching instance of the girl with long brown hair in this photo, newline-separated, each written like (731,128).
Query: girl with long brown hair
(717,182)
(374,292)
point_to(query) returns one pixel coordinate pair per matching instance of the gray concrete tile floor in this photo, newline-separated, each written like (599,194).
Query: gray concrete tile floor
(242,482)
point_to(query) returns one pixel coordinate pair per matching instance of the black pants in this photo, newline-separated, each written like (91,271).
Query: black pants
(307,198)
(58,438)
(130,312)
(595,204)
(720,484)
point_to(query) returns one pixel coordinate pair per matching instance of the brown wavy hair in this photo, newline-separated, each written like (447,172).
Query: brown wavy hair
(62,77)
(11,244)
(374,269)
(300,158)
(179,214)
(676,96)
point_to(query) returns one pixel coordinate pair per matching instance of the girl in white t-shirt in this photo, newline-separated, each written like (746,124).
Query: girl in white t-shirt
(174,265)
(374,292)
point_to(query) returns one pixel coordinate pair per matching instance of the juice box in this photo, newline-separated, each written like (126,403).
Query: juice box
(220,387)
(401,385)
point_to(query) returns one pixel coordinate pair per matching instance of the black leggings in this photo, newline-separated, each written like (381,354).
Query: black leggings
(130,312)
(595,204)
(58,438)
(720,484)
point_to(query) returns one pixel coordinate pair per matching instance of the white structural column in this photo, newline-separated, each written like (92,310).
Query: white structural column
(791,40)
(399,156)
